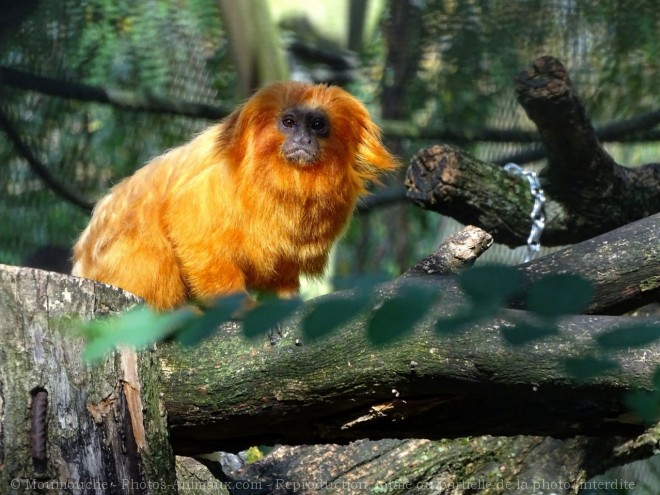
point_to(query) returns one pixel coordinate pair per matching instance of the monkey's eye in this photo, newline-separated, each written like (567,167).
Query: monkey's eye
(319,125)
(288,122)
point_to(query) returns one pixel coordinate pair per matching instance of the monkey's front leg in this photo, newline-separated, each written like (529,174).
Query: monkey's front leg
(208,281)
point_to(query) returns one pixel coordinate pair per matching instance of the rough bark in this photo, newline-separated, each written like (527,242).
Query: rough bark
(588,193)
(623,266)
(598,193)
(228,394)
(449,181)
(492,465)
(457,252)
(495,465)
(422,376)
(67,427)
(227,388)
(273,390)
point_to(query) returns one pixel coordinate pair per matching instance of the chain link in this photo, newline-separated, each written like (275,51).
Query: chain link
(538,211)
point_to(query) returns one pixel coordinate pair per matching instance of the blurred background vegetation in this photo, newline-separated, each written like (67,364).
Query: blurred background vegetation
(430,71)
(91,89)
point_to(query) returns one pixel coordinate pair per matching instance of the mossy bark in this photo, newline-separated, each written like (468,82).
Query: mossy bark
(67,426)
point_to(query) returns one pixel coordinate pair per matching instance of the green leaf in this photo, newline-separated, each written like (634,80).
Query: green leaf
(523,333)
(399,314)
(138,328)
(208,322)
(656,379)
(329,314)
(470,315)
(559,294)
(267,315)
(645,404)
(455,323)
(491,284)
(584,368)
(638,335)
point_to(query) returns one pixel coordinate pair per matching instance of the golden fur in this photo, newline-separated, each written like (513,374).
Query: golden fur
(227,212)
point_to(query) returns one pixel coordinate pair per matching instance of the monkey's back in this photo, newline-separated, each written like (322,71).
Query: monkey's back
(127,243)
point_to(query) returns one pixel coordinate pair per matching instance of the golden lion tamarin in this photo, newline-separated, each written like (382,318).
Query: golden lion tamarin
(249,204)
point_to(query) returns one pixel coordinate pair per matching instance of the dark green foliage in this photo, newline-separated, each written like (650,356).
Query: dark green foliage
(267,316)
(559,294)
(587,367)
(639,335)
(197,329)
(490,284)
(327,314)
(488,288)
(523,332)
(463,319)
(391,311)
(396,315)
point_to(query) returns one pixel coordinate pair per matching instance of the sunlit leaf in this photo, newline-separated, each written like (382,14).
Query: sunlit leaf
(267,315)
(197,329)
(559,294)
(523,333)
(638,335)
(584,368)
(138,328)
(492,284)
(398,314)
(329,314)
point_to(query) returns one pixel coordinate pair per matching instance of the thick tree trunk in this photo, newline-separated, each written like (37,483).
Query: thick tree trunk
(492,465)
(66,427)
(228,394)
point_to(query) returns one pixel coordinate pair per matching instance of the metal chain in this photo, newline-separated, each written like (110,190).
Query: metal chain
(538,211)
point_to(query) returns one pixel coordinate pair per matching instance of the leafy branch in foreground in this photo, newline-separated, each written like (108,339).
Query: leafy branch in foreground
(391,311)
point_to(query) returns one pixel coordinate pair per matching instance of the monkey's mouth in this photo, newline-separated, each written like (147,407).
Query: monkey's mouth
(300,156)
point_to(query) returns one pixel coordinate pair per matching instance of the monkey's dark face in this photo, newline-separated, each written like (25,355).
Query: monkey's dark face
(304,130)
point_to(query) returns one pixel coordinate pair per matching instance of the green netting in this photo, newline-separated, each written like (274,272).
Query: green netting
(470,52)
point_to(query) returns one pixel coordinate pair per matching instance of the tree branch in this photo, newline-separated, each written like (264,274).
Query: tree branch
(142,102)
(629,130)
(597,193)
(229,394)
(587,192)
(448,180)
(622,266)
(638,128)
(457,252)
(39,168)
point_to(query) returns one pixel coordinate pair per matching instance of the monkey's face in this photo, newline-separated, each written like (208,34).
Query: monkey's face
(290,132)
(304,129)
